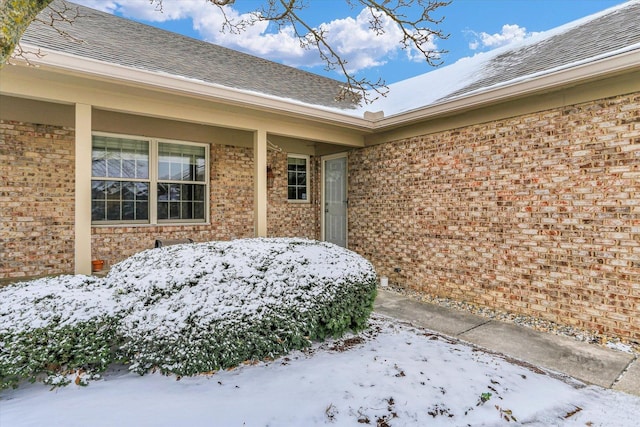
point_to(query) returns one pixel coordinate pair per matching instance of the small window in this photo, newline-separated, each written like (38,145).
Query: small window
(298,178)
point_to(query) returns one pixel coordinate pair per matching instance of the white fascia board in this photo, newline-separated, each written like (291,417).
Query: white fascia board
(609,64)
(168,83)
(545,81)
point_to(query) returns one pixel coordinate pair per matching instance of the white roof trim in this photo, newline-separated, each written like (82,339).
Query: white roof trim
(612,63)
(164,82)
(573,73)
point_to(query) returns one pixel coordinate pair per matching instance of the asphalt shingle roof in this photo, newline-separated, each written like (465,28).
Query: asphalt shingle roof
(608,33)
(116,40)
(121,41)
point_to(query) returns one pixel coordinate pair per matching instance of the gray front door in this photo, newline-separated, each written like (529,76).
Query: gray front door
(335,199)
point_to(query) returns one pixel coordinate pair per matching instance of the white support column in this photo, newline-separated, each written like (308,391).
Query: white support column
(83,190)
(260,182)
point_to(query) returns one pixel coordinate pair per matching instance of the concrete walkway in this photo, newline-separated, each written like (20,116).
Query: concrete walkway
(586,362)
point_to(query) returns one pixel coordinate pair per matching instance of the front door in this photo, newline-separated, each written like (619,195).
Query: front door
(334,170)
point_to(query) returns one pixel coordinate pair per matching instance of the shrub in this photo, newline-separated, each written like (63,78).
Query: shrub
(55,325)
(186,309)
(201,307)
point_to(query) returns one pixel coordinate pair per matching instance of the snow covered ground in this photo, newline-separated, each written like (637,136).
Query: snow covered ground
(390,375)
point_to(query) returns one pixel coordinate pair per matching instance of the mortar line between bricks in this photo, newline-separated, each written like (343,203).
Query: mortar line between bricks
(473,327)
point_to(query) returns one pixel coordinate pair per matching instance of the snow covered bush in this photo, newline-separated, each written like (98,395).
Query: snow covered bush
(186,309)
(54,325)
(201,307)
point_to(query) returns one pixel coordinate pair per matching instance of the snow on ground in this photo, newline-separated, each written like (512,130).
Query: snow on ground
(392,374)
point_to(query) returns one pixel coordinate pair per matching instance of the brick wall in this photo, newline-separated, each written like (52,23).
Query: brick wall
(537,214)
(36,199)
(37,204)
(286,219)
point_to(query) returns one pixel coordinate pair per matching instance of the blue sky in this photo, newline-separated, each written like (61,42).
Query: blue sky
(473,25)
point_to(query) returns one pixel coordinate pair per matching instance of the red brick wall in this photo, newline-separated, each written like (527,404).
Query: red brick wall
(36,199)
(537,214)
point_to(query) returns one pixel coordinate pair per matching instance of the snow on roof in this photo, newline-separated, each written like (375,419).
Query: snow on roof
(595,37)
(606,33)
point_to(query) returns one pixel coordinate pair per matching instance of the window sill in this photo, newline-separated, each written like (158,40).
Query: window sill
(161,224)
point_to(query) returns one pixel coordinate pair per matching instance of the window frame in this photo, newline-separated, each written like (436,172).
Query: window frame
(307,159)
(153,182)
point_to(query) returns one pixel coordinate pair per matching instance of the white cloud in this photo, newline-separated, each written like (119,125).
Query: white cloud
(146,9)
(509,34)
(102,5)
(350,37)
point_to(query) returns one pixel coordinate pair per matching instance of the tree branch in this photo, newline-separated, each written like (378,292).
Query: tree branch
(415,27)
(16,17)
(413,18)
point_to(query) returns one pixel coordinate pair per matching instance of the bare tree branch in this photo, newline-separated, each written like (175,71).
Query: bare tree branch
(416,29)
(412,17)
(17,15)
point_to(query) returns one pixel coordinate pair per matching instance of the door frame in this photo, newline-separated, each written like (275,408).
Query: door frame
(323,161)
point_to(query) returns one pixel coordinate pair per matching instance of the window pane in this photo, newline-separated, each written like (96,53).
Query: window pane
(113,167)
(142,168)
(142,191)
(128,210)
(174,210)
(99,161)
(198,192)
(128,168)
(142,210)
(97,190)
(119,201)
(198,210)
(292,193)
(98,210)
(120,158)
(163,192)
(114,190)
(181,201)
(163,210)
(174,192)
(177,162)
(113,211)
(186,208)
(200,169)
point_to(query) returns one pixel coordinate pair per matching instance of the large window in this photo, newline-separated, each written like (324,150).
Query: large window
(298,177)
(137,180)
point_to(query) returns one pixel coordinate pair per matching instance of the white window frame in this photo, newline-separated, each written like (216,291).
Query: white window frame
(153,183)
(307,159)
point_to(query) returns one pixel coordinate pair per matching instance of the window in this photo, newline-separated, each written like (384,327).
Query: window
(136,180)
(298,177)
(181,179)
